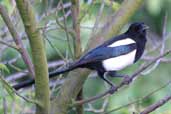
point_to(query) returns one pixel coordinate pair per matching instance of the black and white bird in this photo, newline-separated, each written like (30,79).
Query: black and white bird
(111,56)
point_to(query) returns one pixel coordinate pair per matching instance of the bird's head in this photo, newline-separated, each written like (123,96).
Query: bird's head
(138,28)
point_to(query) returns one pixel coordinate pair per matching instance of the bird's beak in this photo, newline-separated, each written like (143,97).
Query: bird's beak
(145,27)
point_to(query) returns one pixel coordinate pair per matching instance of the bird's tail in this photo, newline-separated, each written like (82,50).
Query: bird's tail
(51,74)
(63,70)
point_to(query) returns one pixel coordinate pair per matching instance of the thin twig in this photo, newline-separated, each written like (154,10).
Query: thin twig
(139,99)
(13,106)
(17,39)
(85,11)
(24,73)
(9,45)
(149,58)
(102,109)
(56,50)
(66,31)
(68,13)
(25,98)
(162,47)
(124,82)
(53,10)
(97,21)
(14,91)
(104,105)
(156,105)
(11,61)
(64,27)
(5,106)
(96,24)
(15,67)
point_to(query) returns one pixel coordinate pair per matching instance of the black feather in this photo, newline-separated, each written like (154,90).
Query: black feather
(93,59)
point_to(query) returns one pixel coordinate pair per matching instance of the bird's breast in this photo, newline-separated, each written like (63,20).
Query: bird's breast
(120,62)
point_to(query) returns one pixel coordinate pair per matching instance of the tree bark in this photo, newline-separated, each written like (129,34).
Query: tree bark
(38,55)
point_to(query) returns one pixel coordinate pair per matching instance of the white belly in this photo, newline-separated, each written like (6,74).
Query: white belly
(120,62)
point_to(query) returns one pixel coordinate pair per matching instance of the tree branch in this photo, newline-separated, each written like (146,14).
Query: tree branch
(9,45)
(76,26)
(75,8)
(24,73)
(38,54)
(17,39)
(156,105)
(140,99)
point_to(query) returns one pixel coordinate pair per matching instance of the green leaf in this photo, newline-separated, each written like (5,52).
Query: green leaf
(4,68)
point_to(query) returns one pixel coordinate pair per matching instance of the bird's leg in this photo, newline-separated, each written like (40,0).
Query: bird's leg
(126,78)
(115,74)
(102,76)
(113,87)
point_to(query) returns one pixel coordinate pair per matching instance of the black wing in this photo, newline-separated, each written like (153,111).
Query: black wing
(102,53)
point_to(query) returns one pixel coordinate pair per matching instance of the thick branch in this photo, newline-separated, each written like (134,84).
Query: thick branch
(75,81)
(76,26)
(77,43)
(38,54)
(69,90)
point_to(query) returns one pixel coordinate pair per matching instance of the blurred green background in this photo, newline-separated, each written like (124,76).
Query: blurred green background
(152,13)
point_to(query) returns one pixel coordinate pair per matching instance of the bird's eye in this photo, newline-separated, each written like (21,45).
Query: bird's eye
(137,28)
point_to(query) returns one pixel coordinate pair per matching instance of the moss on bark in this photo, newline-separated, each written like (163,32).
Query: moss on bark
(38,55)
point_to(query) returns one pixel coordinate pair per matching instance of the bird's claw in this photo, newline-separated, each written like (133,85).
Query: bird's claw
(112,89)
(127,80)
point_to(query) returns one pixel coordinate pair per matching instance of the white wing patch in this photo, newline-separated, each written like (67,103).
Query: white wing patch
(120,62)
(122,42)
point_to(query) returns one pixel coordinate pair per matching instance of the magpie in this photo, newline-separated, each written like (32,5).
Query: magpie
(111,56)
